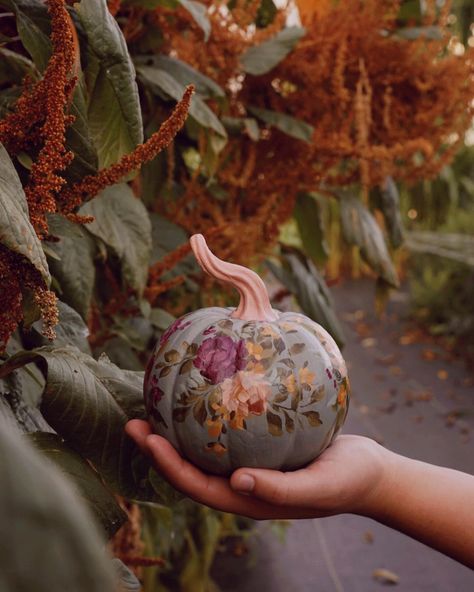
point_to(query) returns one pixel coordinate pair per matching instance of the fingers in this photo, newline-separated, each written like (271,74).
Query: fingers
(208,489)
(138,430)
(300,488)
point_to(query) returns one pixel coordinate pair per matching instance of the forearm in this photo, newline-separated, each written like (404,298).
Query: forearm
(434,505)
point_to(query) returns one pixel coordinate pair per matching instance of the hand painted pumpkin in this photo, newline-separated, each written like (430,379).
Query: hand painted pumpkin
(249,386)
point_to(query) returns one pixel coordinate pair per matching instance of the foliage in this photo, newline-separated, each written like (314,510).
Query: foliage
(104,177)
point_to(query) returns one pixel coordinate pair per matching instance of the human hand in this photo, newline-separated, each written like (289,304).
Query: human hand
(348,477)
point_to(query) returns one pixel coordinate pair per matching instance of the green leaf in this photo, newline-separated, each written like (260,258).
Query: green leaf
(53,544)
(79,139)
(389,203)
(266,13)
(75,269)
(71,330)
(309,218)
(33,25)
(311,292)
(360,228)
(260,59)
(121,221)
(14,67)
(167,236)
(199,13)
(16,231)
(412,33)
(88,403)
(184,74)
(166,86)
(114,107)
(102,504)
(285,123)
(236,125)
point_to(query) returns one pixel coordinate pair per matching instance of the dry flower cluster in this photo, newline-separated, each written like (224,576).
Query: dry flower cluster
(379,104)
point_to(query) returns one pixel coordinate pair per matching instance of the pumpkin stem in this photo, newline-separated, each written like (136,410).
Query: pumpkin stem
(254,302)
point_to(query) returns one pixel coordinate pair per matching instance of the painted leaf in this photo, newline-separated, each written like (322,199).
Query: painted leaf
(274,424)
(121,221)
(285,123)
(98,498)
(200,411)
(313,418)
(172,356)
(289,423)
(114,112)
(186,367)
(297,348)
(16,231)
(53,545)
(262,58)
(360,228)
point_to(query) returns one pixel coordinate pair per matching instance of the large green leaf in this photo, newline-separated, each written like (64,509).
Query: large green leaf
(50,541)
(309,218)
(302,279)
(33,25)
(360,228)
(166,237)
(16,231)
(121,221)
(114,107)
(70,330)
(102,504)
(166,86)
(198,10)
(389,203)
(14,66)
(285,123)
(88,402)
(262,58)
(73,264)
(184,74)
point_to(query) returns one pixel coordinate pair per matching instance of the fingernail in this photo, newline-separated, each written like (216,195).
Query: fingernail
(245,483)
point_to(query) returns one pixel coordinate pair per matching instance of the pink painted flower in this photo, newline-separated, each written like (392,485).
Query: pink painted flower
(245,394)
(220,357)
(209,330)
(177,325)
(156,394)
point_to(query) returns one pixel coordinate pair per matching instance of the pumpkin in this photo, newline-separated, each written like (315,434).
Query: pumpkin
(247,386)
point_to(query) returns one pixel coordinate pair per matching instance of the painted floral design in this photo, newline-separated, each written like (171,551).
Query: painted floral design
(220,357)
(178,325)
(237,372)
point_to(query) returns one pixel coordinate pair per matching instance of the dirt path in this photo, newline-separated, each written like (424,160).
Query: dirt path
(414,400)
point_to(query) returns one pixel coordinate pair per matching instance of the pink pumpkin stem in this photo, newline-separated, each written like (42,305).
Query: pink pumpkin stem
(254,302)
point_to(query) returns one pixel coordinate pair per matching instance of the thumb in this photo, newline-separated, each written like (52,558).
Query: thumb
(305,488)
(265,484)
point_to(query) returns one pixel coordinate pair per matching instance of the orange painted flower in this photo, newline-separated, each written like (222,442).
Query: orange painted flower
(290,383)
(245,394)
(306,376)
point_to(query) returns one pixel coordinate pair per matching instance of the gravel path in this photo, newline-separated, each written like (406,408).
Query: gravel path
(416,401)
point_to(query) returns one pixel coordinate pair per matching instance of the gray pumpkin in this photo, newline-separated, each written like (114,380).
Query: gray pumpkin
(249,386)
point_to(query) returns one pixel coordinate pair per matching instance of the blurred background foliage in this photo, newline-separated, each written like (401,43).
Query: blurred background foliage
(321,138)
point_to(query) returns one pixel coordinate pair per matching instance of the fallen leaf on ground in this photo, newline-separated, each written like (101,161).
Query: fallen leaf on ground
(395,370)
(385,576)
(386,360)
(429,355)
(369,342)
(442,374)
